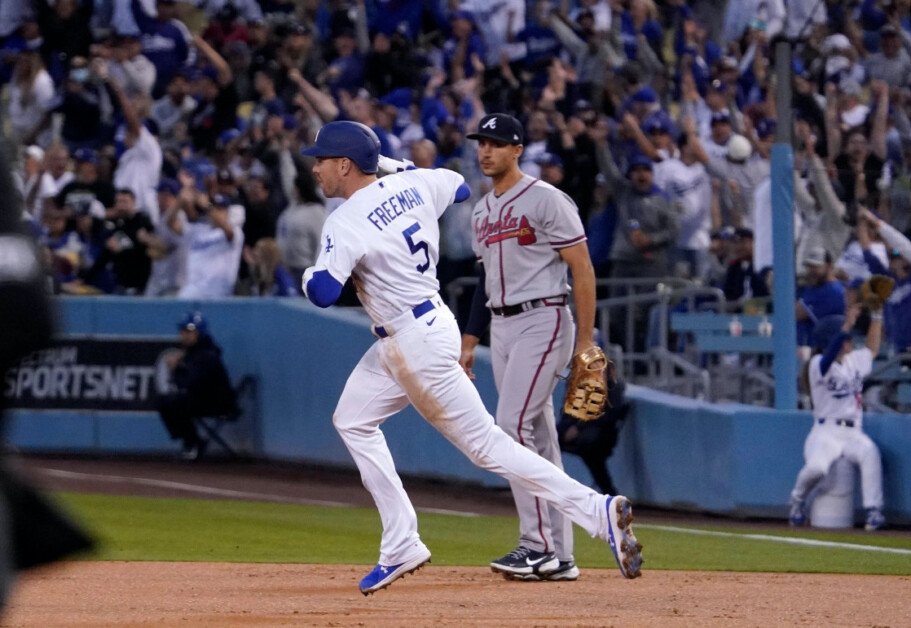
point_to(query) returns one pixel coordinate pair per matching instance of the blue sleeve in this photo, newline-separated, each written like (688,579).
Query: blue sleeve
(876,267)
(144,21)
(323,290)
(832,351)
(462,193)
(479,318)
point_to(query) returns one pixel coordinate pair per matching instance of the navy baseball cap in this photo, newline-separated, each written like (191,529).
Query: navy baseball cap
(721,116)
(639,161)
(826,329)
(645,94)
(500,127)
(656,124)
(549,159)
(766,127)
(194,321)
(169,185)
(87,155)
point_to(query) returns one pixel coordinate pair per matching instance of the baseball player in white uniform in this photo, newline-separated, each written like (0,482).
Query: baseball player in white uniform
(386,237)
(836,376)
(526,234)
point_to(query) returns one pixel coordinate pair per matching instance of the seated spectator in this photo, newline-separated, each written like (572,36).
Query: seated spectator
(199,382)
(87,187)
(822,295)
(551,169)
(269,278)
(125,254)
(54,174)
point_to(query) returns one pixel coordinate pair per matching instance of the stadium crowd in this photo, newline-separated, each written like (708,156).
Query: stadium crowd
(159,162)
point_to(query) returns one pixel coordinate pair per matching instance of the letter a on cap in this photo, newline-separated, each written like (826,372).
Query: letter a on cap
(490,124)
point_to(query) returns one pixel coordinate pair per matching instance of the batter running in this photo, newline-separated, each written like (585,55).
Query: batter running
(526,234)
(385,236)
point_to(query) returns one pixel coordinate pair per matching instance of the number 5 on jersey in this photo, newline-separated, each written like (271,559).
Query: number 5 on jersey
(420,245)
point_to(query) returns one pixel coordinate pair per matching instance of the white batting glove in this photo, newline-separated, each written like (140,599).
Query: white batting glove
(387,165)
(308,275)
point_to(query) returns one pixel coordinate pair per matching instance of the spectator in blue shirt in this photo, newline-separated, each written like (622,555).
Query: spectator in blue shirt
(897,320)
(823,296)
(165,42)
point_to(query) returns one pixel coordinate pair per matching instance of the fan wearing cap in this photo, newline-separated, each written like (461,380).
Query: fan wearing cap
(214,237)
(167,249)
(216,110)
(201,386)
(689,189)
(892,63)
(741,280)
(897,320)
(740,175)
(861,161)
(87,186)
(166,41)
(173,108)
(527,234)
(647,224)
(822,296)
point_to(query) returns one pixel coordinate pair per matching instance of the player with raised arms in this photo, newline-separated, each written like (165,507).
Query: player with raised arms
(385,236)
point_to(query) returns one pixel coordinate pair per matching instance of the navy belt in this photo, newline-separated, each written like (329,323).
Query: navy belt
(841,422)
(512,310)
(418,311)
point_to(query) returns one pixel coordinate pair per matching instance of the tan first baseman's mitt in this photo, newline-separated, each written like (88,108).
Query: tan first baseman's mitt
(875,290)
(586,391)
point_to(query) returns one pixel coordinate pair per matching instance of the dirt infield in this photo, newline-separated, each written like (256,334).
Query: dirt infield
(156,594)
(201,594)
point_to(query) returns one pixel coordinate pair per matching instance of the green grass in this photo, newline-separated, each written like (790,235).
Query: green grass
(141,528)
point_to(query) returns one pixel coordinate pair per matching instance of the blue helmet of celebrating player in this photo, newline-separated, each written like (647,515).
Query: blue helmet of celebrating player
(193,321)
(826,329)
(352,140)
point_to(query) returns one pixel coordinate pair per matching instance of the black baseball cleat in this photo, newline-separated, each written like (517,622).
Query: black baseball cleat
(522,563)
(566,572)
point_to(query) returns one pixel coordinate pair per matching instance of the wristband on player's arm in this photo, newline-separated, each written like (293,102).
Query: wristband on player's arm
(479,318)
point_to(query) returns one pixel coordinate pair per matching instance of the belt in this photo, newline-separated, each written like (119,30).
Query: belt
(841,422)
(512,310)
(417,311)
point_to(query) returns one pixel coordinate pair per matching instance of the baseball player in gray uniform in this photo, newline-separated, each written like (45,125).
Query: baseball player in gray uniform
(526,234)
(386,237)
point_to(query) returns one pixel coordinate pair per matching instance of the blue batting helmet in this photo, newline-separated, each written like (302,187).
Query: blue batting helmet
(826,329)
(193,321)
(353,140)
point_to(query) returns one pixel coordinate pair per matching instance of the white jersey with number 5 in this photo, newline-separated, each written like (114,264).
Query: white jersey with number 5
(386,236)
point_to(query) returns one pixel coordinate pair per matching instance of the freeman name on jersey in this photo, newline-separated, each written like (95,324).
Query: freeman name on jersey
(395,206)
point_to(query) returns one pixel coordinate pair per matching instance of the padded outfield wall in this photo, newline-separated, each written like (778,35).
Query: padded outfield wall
(672,452)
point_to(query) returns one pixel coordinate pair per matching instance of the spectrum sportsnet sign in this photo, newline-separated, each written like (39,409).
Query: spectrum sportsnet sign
(91,373)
